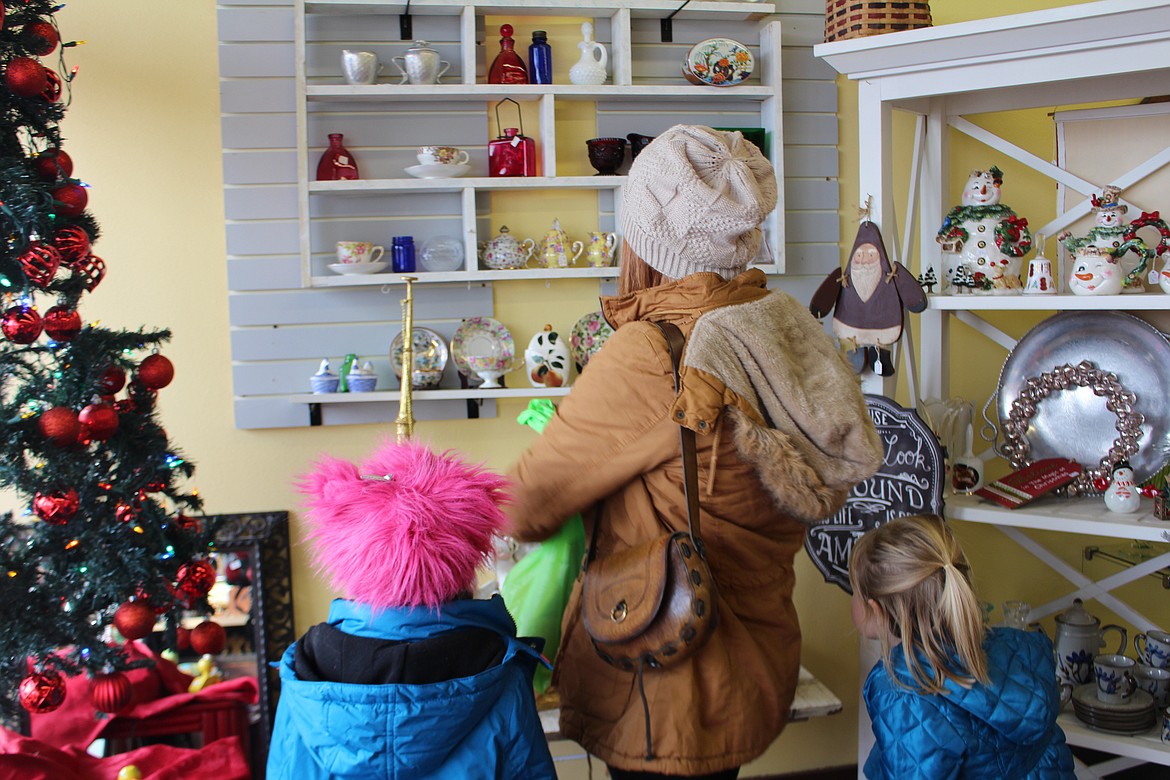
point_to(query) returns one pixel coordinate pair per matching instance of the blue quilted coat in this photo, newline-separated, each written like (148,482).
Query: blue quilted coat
(481,727)
(1003,731)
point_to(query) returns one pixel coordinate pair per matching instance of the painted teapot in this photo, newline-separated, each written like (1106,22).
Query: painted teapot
(504,252)
(1079,636)
(556,251)
(599,249)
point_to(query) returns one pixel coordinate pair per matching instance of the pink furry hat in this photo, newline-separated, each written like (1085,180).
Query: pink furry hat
(408,527)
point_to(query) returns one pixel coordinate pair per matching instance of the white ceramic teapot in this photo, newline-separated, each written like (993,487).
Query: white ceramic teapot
(1079,636)
(504,252)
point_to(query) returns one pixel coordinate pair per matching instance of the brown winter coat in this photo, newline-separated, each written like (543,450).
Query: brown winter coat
(762,384)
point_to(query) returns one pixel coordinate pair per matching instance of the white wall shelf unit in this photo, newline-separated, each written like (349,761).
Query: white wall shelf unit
(1111,50)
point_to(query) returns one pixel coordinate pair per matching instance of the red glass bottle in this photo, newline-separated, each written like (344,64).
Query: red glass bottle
(508,67)
(336,163)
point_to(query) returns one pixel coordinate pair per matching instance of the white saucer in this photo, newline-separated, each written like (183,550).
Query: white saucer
(438,171)
(350,269)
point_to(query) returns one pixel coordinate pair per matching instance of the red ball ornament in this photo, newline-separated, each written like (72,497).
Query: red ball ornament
(42,692)
(52,164)
(73,243)
(98,421)
(183,638)
(40,37)
(134,619)
(62,324)
(25,76)
(52,91)
(111,692)
(21,324)
(40,262)
(208,638)
(72,197)
(112,380)
(92,270)
(195,579)
(156,372)
(60,426)
(57,507)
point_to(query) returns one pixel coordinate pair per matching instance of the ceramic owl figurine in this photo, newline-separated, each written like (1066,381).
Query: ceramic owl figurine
(983,240)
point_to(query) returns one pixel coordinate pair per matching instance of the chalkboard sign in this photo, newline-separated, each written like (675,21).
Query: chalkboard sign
(909,482)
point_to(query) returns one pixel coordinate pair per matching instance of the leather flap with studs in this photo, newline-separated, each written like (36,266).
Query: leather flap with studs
(623,591)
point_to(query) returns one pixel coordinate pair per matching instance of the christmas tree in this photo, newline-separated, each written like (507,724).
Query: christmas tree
(102,534)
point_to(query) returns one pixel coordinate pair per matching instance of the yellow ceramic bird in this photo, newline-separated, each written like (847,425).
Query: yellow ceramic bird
(209,674)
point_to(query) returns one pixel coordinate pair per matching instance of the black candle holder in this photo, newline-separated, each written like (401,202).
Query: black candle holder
(606,155)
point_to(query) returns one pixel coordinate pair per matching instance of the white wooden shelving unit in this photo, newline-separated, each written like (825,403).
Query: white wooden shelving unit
(1076,54)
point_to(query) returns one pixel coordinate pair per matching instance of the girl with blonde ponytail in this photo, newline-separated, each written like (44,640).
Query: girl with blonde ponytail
(949,697)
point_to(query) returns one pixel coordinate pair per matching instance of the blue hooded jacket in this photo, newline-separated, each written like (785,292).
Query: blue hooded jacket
(1006,730)
(480,727)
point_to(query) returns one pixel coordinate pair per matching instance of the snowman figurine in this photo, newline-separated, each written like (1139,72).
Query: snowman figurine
(1111,235)
(1095,271)
(1122,494)
(983,240)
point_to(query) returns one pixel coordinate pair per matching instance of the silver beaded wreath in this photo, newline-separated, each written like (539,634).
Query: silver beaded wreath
(1120,401)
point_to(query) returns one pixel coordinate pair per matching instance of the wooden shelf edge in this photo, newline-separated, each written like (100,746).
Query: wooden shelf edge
(1066,515)
(421,396)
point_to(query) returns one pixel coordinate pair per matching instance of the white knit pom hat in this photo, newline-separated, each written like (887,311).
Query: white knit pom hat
(694,201)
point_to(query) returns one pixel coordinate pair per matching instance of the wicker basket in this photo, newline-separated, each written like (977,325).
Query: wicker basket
(850,19)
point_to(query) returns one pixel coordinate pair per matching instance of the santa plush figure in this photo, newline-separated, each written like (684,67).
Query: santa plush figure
(868,297)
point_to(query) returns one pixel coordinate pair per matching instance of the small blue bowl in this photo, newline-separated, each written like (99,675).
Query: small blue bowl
(363,383)
(324,384)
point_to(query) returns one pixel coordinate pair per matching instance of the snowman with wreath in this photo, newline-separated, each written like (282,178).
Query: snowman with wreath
(983,240)
(1121,241)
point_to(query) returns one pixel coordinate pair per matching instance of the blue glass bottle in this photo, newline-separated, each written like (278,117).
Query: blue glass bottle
(540,58)
(402,255)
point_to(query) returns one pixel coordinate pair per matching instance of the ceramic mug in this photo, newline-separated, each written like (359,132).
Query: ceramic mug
(1153,648)
(1115,680)
(355,252)
(442,155)
(1154,681)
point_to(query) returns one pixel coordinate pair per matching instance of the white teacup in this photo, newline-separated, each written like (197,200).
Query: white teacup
(442,155)
(1155,682)
(1153,648)
(359,67)
(1115,680)
(355,252)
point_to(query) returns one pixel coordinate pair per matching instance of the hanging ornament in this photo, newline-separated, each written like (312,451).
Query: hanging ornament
(111,692)
(40,262)
(52,164)
(72,197)
(129,772)
(39,37)
(73,243)
(62,324)
(60,426)
(112,380)
(42,692)
(52,90)
(134,619)
(156,372)
(92,269)
(57,507)
(183,639)
(126,512)
(21,324)
(208,638)
(195,579)
(98,421)
(25,76)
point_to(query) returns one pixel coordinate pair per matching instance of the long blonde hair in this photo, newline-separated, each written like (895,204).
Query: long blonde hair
(916,572)
(635,273)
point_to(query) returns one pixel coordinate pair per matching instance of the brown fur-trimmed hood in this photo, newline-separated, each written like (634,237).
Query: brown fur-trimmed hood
(795,407)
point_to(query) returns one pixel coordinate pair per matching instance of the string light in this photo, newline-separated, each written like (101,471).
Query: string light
(72,543)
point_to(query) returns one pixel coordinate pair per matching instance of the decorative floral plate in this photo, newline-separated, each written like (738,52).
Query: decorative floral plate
(718,62)
(482,336)
(587,336)
(430,358)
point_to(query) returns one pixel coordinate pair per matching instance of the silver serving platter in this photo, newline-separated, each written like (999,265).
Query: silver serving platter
(1074,423)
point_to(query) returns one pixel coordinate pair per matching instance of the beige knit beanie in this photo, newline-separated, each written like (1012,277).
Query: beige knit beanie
(694,201)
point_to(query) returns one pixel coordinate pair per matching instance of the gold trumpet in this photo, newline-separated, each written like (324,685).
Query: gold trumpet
(405,421)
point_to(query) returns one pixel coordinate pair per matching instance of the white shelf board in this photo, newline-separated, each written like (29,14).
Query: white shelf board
(454,394)
(382,186)
(478,93)
(468,277)
(1145,747)
(1150,301)
(638,8)
(1067,515)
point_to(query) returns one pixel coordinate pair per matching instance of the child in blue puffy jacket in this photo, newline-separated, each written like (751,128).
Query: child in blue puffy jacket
(950,697)
(410,677)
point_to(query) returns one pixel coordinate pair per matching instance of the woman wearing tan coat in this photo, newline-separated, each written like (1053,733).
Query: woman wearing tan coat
(783,435)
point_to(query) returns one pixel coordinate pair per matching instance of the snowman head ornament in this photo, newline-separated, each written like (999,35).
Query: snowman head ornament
(983,187)
(1095,271)
(1108,207)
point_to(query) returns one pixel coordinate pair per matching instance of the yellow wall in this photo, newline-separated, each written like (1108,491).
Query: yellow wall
(143,130)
